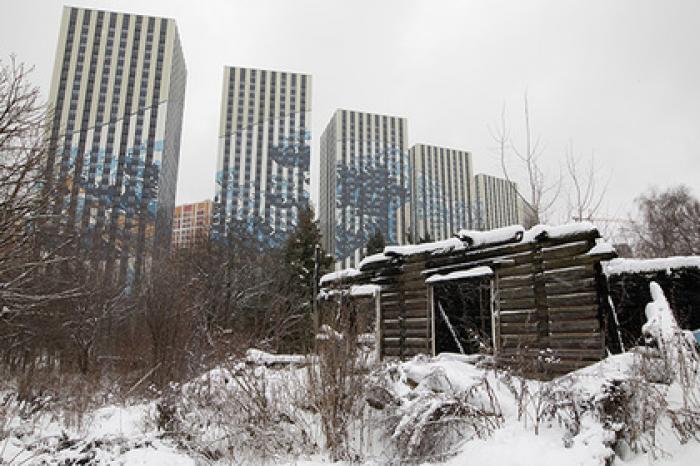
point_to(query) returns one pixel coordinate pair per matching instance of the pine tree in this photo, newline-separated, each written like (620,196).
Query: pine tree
(375,244)
(300,250)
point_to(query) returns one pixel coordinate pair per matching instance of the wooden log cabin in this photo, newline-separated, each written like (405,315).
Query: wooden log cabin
(537,300)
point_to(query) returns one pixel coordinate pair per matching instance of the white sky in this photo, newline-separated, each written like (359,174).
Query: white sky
(620,78)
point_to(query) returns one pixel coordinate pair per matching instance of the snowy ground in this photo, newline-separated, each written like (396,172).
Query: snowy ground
(639,407)
(117,434)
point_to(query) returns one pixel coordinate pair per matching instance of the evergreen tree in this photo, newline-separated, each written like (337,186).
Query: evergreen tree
(300,250)
(375,244)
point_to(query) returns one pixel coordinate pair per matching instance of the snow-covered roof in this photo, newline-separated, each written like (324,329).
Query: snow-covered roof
(469,239)
(560,231)
(601,248)
(477,239)
(482,271)
(380,257)
(620,266)
(445,245)
(339,275)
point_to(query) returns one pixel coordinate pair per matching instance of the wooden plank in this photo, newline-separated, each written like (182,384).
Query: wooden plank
(566,250)
(525,269)
(569,274)
(569,315)
(394,331)
(523,303)
(394,294)
(406,313)
(528,316)
(568,326)
(566,286)
(573,299)
(581,343)
(509,341)
(567,262)
(574,335)
(516,293)
(577,309)
(579,354)
(515,281)
(414,322)
(518,328)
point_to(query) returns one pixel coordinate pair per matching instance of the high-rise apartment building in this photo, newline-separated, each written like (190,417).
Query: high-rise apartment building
(117,94)
(191,223)
(363,182)
(498,203)
(441,191)
(262,178)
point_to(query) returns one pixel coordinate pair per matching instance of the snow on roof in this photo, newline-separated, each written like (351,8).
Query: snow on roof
(481,271)
(339,275)
(475,239)
(445,245)
(559,231)
(380,257)
(601,248)
(364,290)
(620,266)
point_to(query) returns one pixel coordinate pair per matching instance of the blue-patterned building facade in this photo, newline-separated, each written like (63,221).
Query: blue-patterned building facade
(117,98)
(364,174)
(442,192)
(263,167)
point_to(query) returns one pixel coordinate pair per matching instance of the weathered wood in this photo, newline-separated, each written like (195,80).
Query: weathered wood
(565,250)
(523,303)
(563,286)
(527,316)
(573,299)
(516,293)
(517,328)
(568,326)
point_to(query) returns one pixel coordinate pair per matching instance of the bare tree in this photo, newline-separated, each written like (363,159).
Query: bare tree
(585,195)
(542,193)
(23,199)
(668,224)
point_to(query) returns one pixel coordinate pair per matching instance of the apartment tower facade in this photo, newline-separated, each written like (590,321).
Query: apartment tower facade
(191,223)
(441,192)
(117,96)
(364,173)
(498,203)
(263,167)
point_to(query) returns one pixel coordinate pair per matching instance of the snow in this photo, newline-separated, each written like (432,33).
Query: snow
(558,231)
(422,387)
(481,271)
(516,445)
(364,290)
(620,266)
(475,239)
(602,248)
(255,356)
(446,245)
(660,325)
(148,456)
(374,258)
(339,275)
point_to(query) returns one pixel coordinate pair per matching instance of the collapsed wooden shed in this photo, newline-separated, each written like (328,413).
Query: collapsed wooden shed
(536,299)
(628,282)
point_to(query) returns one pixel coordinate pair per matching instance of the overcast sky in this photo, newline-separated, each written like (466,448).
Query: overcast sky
(618,78)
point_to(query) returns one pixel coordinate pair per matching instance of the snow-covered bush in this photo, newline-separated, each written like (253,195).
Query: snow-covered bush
(237,412)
